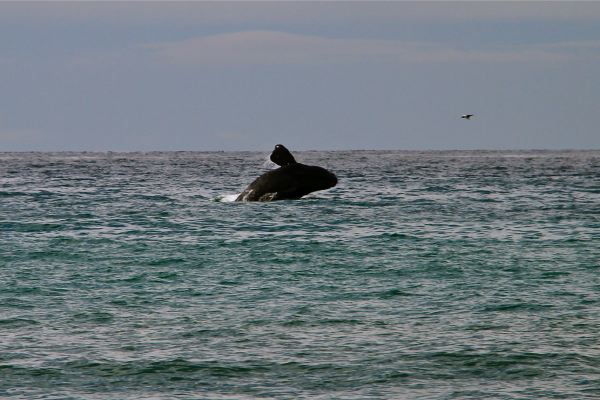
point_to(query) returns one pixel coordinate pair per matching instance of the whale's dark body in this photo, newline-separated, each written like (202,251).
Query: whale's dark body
(291,180)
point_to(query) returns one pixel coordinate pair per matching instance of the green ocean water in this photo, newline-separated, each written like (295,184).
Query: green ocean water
(422,275)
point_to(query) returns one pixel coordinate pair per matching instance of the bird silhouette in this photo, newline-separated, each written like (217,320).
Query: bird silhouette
(466,116)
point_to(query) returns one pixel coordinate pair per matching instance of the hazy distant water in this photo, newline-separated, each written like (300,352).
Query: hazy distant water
(429,275)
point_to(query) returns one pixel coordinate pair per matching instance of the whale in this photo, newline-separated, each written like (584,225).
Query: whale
(291,181)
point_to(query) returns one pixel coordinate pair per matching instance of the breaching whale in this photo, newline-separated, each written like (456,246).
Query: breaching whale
(291,180)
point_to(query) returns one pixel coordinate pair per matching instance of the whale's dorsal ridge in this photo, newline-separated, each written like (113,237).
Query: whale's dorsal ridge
(282,156)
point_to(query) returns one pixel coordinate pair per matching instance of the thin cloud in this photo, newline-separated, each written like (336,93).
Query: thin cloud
(271,47)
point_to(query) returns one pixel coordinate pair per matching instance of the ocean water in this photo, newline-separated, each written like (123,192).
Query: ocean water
(422,275)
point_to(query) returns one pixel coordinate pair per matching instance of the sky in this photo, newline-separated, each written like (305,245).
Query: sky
(206,76)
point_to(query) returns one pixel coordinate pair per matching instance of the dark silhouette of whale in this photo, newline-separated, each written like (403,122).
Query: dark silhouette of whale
(291,180)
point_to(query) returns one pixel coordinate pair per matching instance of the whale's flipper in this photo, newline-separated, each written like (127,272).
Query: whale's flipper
(282,156)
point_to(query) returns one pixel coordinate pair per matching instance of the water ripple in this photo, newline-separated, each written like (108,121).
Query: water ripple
(421,275)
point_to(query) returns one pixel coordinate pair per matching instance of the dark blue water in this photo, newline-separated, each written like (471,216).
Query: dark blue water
(422,275)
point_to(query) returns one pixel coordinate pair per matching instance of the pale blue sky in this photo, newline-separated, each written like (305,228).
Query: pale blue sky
(319,75)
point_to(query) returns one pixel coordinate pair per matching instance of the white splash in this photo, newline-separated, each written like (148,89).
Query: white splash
(227,198)
(268,164)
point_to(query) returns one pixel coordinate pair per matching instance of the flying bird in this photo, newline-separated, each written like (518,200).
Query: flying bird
(466,116)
